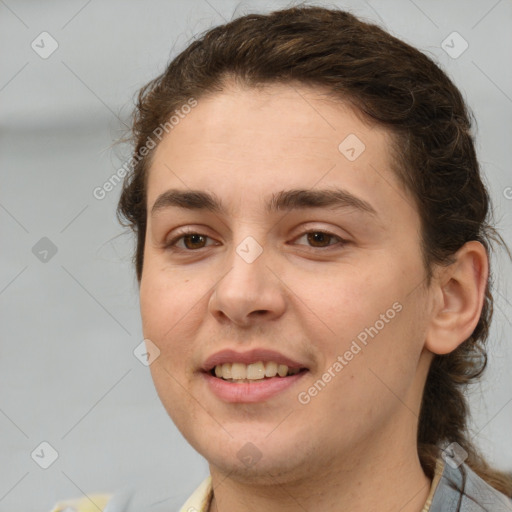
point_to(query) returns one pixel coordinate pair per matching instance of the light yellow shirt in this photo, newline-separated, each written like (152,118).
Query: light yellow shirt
(92,503)
(435,481)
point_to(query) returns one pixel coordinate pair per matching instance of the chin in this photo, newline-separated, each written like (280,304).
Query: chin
(266,471)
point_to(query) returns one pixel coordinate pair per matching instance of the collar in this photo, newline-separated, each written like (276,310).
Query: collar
(461,489)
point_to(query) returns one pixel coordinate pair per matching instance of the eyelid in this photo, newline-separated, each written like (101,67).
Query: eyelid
(308,228)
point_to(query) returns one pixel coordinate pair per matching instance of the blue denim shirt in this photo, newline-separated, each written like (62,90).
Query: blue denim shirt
(471,492)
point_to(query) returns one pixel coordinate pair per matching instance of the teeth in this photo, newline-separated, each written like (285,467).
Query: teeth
(255,371)
(282,370)
(226,371)
(238,371)
(271,369)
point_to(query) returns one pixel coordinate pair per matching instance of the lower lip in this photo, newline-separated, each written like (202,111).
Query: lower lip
(250,392)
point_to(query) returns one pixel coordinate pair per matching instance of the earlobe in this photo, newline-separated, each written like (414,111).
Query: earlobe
(458,294)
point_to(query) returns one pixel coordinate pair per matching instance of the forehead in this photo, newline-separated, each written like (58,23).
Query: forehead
(252,140)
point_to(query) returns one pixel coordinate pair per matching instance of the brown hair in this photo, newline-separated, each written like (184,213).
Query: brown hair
(392,84)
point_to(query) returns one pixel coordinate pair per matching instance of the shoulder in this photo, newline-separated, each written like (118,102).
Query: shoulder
(460,486)
(91,503)
(132,498)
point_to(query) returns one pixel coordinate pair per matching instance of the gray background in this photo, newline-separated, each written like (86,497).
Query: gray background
(68,375)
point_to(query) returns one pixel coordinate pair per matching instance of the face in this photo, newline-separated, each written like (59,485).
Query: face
(328,280)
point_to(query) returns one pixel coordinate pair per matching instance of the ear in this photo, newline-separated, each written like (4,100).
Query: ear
(458,297)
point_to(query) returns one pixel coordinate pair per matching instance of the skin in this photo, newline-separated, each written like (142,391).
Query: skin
(353,446)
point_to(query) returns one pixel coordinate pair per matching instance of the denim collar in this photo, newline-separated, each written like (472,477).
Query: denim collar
(460,489)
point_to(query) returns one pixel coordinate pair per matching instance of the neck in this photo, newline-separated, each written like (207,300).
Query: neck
(381,476)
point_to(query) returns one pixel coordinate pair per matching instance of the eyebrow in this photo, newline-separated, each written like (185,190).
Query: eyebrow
(284,200)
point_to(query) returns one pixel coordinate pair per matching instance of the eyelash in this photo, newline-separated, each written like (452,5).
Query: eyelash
(171,245)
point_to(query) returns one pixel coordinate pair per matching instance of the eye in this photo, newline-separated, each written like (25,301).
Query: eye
(320,239)
(194,240)
(191,241)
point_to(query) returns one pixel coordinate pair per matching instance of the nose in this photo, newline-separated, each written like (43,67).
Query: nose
(249,292)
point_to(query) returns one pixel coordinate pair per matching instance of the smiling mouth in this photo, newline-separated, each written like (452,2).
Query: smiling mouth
(240,372)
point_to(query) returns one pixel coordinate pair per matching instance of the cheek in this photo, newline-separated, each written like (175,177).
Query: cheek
(347,301)
(164,300)
(373,325)
(167,310)
(155,307)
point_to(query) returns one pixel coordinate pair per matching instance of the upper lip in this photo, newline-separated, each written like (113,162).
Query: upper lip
(248,357)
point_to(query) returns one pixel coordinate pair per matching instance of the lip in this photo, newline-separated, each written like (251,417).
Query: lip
(248,357)
(250,392)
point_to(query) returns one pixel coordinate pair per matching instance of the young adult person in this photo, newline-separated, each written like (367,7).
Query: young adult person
(313,240)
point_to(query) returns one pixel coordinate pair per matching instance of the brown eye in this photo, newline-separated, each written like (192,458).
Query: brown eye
(321,239)
(191,241)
